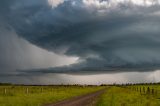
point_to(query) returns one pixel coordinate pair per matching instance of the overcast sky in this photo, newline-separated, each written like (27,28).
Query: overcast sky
(100,40)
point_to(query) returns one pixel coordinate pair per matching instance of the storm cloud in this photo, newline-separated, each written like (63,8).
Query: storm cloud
(18,54)
(103,34)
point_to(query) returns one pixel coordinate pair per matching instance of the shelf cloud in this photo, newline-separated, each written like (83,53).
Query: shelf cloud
(102,34)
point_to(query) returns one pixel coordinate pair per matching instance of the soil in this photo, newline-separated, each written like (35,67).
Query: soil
(84,100)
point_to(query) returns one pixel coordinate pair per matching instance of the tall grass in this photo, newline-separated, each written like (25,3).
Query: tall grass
(116,96)
(39,95)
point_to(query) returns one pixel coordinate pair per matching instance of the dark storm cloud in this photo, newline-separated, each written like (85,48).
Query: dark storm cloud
(17,53)
(103,34)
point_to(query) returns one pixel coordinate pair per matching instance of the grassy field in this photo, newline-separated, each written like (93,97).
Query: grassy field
(130,96)
(39,95)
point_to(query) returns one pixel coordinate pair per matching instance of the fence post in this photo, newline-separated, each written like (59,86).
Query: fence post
(5,91)
(41,90)
(27,91)
(148,90)
(152,91)
(144,90)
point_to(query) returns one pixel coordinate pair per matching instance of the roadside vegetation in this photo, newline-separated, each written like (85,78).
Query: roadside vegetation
(11,95)
(133,95)
(115,95)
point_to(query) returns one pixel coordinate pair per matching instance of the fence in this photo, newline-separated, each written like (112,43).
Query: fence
(145,90)
(24,90)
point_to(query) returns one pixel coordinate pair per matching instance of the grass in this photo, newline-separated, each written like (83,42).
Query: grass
(39,95)
(117,96)
(114,96)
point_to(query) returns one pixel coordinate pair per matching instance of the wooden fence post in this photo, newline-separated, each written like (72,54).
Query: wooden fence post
(41,90)
(144,90)
(152,91)
(27,91)
(5,91)
(148,90)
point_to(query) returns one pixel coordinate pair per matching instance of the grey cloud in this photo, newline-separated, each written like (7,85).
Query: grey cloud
(17,53)
(122,36)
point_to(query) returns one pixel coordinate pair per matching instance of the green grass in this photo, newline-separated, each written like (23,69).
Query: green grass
(116,96)
(39,95)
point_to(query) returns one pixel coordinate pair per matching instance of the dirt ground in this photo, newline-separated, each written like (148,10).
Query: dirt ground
(84,100)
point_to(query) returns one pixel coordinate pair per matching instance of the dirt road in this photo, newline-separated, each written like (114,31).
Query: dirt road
(84,100)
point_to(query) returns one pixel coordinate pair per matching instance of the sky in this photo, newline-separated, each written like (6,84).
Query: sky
(79,41)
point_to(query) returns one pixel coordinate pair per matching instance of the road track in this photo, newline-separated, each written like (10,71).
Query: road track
(84,100)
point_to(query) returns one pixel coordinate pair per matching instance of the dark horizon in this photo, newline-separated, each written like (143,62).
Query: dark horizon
(79,41)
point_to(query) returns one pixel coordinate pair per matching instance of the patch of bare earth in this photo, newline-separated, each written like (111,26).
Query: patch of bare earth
(84,100)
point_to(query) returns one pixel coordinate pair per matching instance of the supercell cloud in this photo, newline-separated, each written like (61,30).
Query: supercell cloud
(103,34)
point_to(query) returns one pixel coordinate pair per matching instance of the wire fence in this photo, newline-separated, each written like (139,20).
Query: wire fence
(145,90)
